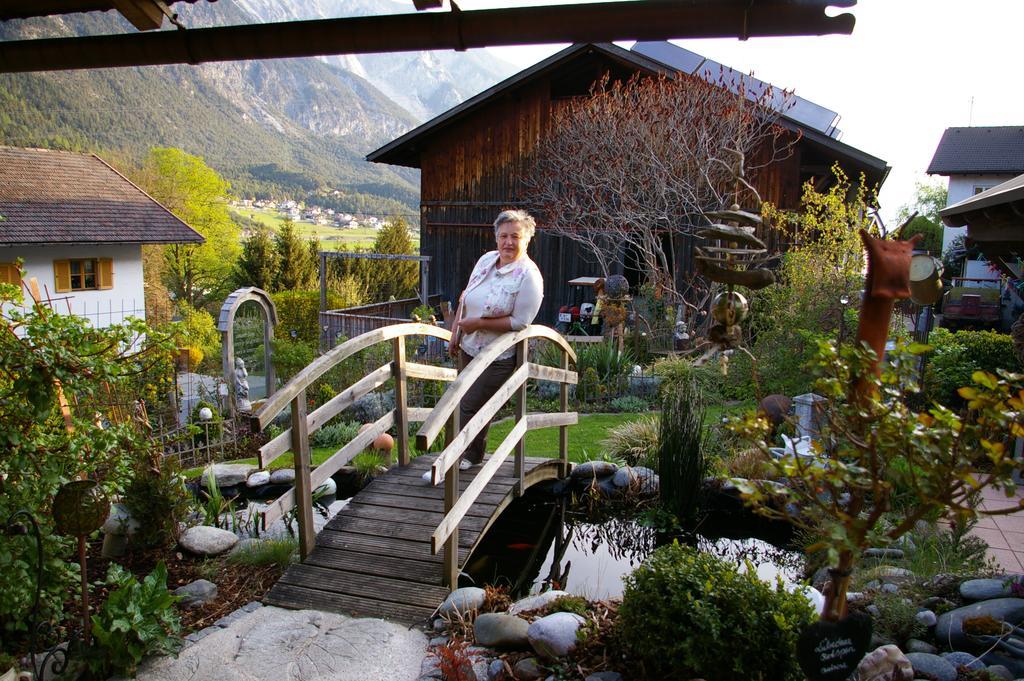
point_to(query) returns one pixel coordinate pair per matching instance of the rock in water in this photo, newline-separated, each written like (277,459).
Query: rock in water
(207,541)
(593,469)
(282,476)
(258,479)
(554,636)
(228,474)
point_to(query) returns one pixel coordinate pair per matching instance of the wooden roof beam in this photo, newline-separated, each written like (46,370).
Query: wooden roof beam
(457,30)
(145,15)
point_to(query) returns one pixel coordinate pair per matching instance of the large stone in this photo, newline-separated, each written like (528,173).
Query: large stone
(199,592)
(1000,672)
(916,645)
(961,659)
(282,476)
(258,479)
(328,489)
(949,627)
(203,540)
(273,644)
(589,470)
(229,474)
(624,477)
(463,601)
(984,589)
(536,602)
(498,630)
(933,665)
(926,617)
(554,636)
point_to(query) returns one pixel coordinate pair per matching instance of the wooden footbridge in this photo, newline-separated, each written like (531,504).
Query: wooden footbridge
(379,557)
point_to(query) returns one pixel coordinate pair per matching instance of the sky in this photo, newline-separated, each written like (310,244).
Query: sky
(910,69)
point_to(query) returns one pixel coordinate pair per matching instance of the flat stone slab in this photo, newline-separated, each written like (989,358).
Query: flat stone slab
(203,540)
(273,644)
(229,474)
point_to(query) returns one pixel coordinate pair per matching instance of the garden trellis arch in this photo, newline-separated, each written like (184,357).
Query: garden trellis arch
(225,324)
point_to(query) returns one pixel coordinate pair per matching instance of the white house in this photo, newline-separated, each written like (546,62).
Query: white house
(78,226)
(976,159)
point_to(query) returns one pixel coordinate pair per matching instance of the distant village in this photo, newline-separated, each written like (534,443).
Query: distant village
(297,211)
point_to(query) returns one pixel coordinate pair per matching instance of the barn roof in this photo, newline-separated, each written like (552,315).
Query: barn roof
(405,150)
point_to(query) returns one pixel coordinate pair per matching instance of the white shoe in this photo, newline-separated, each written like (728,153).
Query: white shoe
(465,465)
(427,476)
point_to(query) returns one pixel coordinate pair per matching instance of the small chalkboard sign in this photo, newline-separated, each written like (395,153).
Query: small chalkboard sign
(831,651)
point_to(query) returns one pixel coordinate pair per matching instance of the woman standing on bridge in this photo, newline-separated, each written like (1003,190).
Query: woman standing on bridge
(503,294)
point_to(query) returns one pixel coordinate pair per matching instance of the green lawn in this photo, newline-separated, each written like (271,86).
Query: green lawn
(584,438)
(331,238)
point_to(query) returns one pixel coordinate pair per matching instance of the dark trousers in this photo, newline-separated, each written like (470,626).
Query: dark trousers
(493,378)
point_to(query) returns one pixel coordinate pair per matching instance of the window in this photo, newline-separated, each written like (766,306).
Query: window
(89,274)
(979,188)
(9,273)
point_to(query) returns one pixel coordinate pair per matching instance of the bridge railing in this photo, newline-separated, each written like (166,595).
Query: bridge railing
(445,415)
(304,424)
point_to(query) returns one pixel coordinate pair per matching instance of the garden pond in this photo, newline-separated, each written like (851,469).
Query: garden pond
(541,542)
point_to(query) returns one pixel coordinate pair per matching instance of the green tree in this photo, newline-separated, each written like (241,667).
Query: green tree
(297,270)
(198,274)
(259,262)
(393,279)
(929,199)
(931,231)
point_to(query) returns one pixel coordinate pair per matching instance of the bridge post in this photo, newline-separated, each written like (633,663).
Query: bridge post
(450,573)
(303,493)
(522,350)
(401,403)
(563,431)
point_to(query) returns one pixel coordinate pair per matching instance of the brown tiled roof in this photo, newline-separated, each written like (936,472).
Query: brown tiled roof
(62,197)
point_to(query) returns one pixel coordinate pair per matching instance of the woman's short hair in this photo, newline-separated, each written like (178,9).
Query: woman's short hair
(525,220)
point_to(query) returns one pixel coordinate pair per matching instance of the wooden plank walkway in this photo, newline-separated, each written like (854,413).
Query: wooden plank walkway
(373,559)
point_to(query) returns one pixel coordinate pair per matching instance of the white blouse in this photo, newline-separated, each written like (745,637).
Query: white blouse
(515,290)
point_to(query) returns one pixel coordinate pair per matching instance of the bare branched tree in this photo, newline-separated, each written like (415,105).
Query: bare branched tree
(635,164)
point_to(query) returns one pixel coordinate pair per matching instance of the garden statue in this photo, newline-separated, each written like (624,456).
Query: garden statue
(242,403)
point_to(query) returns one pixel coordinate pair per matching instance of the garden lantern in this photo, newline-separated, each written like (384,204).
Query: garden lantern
(79,508)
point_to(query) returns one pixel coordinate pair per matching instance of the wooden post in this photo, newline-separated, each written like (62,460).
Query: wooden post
(401,406)
(522,349)
(563,431)
(451,495)
(324,340)
(303,493)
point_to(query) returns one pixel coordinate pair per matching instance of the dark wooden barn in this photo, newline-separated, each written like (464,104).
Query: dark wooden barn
(471,155)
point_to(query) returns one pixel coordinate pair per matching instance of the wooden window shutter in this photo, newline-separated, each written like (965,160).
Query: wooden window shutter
(105,276)
(9,273)
(62,275)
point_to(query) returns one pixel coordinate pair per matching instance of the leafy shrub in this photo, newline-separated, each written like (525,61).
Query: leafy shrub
(198,331)
(635,442)
(335,434)
(629,404)
(157,499)
(708,378)
(685,613)
(612,367)
(368,465)
(291,356)
(896,618)
(136,620)
(957,355)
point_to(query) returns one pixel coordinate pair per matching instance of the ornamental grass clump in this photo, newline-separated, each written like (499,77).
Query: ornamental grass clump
(688,614)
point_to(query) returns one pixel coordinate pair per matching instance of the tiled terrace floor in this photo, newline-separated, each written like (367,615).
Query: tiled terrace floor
(1004,534)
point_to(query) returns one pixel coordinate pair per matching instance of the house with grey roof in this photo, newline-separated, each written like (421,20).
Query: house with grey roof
(976,159)
(77,226)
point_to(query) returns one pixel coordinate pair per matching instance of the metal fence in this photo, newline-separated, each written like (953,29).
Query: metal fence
(350,322)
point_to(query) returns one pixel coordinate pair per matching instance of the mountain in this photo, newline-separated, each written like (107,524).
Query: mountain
(423,83)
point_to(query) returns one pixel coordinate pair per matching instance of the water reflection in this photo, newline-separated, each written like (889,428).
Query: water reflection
(539,543)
